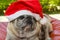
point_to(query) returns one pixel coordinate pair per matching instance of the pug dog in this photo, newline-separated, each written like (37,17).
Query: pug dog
(26,27)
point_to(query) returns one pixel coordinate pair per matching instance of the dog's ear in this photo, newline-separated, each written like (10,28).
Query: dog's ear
(48,17)
(45,19)
(49,22)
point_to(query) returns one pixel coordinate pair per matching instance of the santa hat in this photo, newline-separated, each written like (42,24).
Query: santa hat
(24,7)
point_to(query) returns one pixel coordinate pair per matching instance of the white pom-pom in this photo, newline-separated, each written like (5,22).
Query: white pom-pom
(43,20)
(37,16)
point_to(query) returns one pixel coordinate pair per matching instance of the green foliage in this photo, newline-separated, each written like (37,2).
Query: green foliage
(49,6)
(4,4)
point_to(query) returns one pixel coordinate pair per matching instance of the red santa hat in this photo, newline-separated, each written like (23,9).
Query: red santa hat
(24,7)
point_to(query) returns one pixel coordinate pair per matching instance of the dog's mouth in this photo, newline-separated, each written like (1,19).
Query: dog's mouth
(28,32)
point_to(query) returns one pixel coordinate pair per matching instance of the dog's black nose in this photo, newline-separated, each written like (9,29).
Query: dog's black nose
(29,22)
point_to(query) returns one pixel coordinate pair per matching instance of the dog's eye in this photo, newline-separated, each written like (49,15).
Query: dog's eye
(34,19)
(21,17)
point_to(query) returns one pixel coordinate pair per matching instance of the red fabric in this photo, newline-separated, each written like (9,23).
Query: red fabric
(33,6)
(55,35)
(56,29)
(3,26)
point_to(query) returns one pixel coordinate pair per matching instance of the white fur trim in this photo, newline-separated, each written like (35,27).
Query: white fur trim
(43,20)
(22,12)
(37,16)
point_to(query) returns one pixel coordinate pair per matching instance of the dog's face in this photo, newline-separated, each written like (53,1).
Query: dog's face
(25,25)
(25,21)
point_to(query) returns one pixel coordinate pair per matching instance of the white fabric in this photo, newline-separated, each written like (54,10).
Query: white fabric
(43,20)
(22,12)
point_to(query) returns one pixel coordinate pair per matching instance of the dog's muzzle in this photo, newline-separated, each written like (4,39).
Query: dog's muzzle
(28,23)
